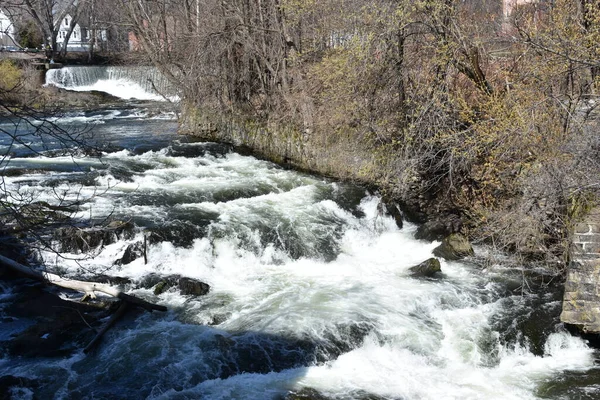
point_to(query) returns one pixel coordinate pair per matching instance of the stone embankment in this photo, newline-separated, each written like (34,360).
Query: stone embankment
(581,301)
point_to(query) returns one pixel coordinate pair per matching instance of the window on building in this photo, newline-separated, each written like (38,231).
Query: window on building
(74,34)
(66,21)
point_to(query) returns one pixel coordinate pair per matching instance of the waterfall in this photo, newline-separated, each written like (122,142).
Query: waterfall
(142,83)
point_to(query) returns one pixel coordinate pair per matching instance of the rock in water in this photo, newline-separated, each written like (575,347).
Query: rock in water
(160,283)
(305,394)
(393,210)
(308,393)
(166,284)
(193,287)
(454,247)
(72,239)
(427,268)
(132,252)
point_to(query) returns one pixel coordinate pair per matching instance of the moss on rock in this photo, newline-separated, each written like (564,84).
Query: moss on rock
(454,247)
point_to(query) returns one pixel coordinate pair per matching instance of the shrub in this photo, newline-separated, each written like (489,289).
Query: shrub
(11,77)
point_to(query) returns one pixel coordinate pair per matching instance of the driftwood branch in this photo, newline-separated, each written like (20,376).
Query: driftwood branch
(89,289)
(114,318)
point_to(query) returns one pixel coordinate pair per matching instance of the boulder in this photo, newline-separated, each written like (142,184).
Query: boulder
(160,283)
(123,229)
(132,253)
(427,268)
(162,287)
(113,280)
(189,286)
(393,210)
(179,233)
(73,239)
(439,228)
(308,393)
(219,318)
(305,394)
(454,247)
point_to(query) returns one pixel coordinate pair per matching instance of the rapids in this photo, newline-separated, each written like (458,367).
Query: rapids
(310,286)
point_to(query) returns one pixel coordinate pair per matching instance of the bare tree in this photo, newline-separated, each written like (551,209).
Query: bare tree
(458,101)
(47,15)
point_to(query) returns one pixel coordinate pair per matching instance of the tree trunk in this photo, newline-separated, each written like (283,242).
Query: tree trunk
(63,50)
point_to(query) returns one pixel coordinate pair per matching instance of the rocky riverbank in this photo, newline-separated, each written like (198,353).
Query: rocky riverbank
(51,100)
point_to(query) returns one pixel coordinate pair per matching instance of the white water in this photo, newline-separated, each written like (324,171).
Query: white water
(140,83)
(296,264)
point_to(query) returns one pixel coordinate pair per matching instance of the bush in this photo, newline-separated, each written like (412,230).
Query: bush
(11,77)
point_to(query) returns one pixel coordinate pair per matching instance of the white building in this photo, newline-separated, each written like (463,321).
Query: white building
(81,37)
(509,6)
(7,31)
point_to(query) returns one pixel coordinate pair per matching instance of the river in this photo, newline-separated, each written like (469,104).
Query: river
(310,288)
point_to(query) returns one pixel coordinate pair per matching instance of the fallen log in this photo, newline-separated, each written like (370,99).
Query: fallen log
(89,289)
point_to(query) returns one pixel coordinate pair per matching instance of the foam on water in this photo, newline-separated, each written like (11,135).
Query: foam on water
(121,88)
(335,309)
(94,118)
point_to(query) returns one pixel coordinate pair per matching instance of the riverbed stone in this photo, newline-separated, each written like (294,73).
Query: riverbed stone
(454,247)
(427,268)
(308,393)
(132,253)
(305,394)
(73,239)
(189,286)
(160,283)
(393,210)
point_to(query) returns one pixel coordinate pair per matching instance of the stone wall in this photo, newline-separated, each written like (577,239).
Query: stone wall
(336,155)
(581,302)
